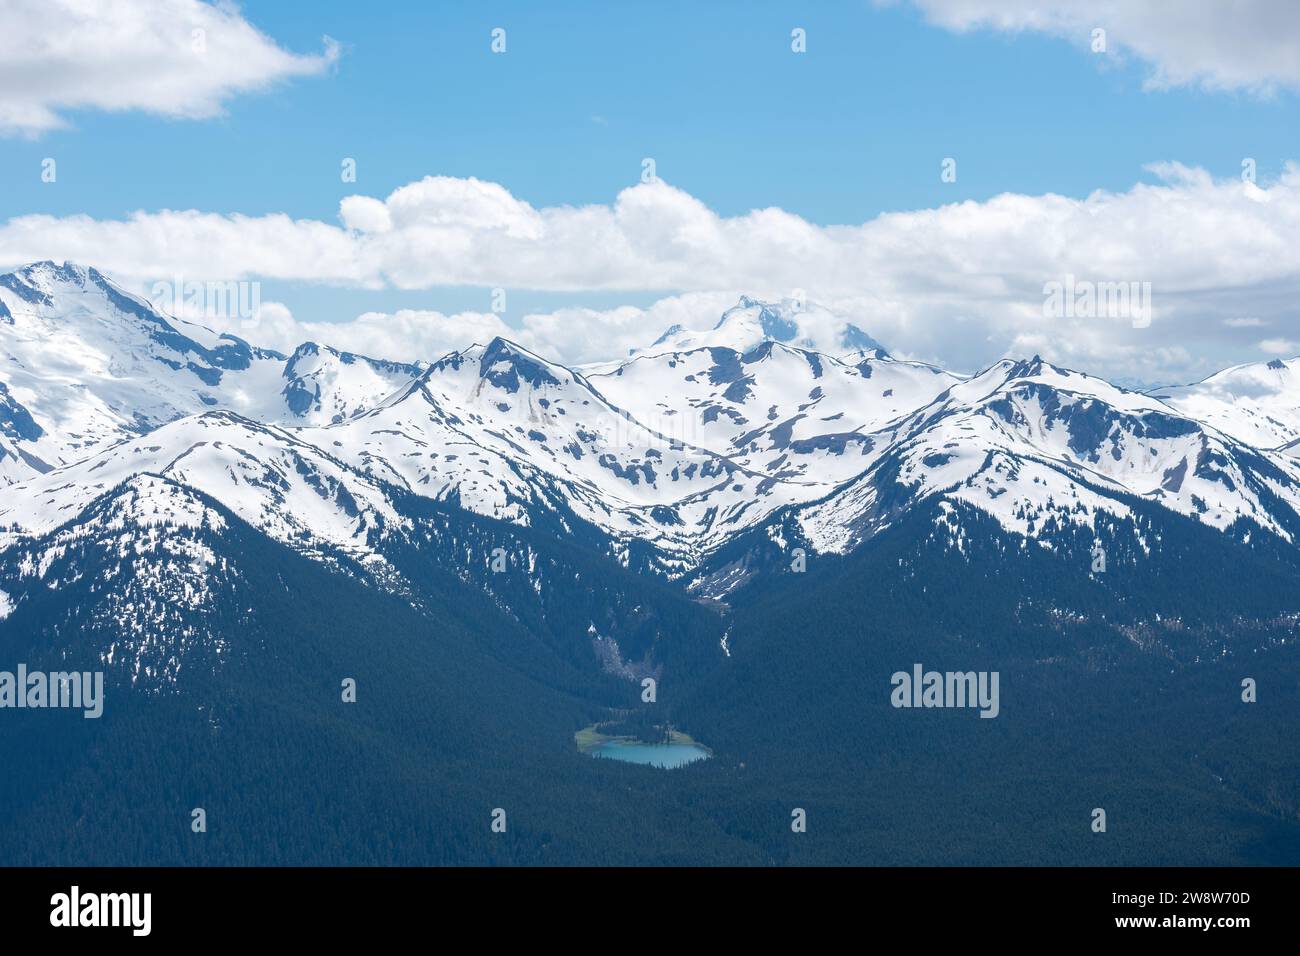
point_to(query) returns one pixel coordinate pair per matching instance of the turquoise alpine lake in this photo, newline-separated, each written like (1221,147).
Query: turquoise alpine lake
(655,755)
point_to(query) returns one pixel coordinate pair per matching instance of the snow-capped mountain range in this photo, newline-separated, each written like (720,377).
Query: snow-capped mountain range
(671,452)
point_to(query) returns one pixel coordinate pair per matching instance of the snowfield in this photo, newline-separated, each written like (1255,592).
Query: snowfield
(782,412)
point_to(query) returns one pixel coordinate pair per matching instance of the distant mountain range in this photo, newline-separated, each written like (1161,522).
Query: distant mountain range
(680,447)
(186,510)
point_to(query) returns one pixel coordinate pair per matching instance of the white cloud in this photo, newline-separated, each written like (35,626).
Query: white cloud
(365,214)
(1244,45)
(1280,346)
(404,336)
(572,335)
(962,283)
(177,58)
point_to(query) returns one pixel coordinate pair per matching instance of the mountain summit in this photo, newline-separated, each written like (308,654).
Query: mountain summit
(751,322)
(781,419)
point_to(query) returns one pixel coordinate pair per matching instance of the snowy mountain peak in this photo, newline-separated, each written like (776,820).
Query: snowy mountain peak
(45,276)
(325,385)
(505,365)
(752,321)
(1258,403)
(87,364)
(51,288)
(311,359)
(83,300)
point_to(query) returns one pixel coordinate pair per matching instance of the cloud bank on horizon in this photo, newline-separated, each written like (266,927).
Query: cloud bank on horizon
(962,283)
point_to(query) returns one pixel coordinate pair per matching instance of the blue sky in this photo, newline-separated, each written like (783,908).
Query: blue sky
(712,91)
(856,127)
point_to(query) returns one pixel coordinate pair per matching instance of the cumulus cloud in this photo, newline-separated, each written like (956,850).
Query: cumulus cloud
(177,58)
(575,336)
(1280,346)
(1249,45)
(404,336)
(963,283)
